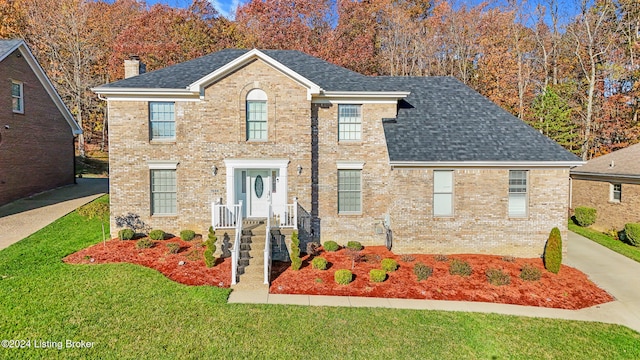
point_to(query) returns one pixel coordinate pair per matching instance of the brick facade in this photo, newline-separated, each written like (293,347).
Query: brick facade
(212,129)
(36,148)
(611,215)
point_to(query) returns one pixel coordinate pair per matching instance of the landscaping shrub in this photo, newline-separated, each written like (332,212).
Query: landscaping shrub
(422,271)
(210,243)
(354,245)
(94,209)
(331,246)
(144,243)
(632,233)
(343,277)
(187,235)
(389,265)
(407,258)
(441,257)
(313,249)
(173,248)
(319,263)
(157,234)
(497,277)
(553,251)
(126,234)
(530,273)
(132,221)
(585,216)
(508,258)
(460,267)
(371,258)
(296,262)
(377,275)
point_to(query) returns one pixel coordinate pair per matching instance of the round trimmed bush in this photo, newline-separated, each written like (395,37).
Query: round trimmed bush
(377,275)
(331,246)
(632,233)
(144,243)
(319,263)
(389,265)
(126,234)
(354,245)
(187,235)
(157,235)
(343,277)
(585,216)
(553,251)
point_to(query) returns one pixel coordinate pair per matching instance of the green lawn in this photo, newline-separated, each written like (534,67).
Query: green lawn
(632,252)
(132,312)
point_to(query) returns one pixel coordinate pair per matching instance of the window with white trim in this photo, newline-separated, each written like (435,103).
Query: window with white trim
(163,192)
(162,120)
(616,193)
(443,193)
(256,115)
(349,191)
(17,97)
(518,193)
(349,122)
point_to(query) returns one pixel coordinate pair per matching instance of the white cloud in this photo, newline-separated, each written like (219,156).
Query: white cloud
(227,8)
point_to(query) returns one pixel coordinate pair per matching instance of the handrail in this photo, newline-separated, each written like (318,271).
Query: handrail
(225,216)
(235,253)
(267,245)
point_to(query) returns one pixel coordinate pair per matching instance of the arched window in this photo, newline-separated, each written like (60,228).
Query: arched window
(256,115)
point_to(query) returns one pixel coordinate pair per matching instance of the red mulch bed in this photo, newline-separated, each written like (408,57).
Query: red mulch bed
(193,272)
(569,289)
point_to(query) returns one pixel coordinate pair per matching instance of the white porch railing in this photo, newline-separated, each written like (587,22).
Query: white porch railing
(235,252)
(287,216)
(267,247)
(225,216)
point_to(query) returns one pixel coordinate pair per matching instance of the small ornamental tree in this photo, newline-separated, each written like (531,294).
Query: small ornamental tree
(296,262)
(553,251)
(210,243)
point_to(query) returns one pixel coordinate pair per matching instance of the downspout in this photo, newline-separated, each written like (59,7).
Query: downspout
(73,157)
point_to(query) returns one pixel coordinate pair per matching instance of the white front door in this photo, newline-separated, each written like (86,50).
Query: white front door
(259,189)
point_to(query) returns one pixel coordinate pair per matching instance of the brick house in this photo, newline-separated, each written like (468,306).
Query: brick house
(610,184)
(36,129)
(332,153)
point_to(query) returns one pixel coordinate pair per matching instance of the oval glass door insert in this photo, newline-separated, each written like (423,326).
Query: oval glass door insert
(259,186)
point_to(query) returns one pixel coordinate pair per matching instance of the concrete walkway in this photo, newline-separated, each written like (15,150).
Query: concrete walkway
(609,270)
(23,217)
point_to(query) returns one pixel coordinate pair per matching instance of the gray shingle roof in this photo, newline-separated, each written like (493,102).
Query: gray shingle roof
(445,120)
(442,119)
(7,45)
(625,162)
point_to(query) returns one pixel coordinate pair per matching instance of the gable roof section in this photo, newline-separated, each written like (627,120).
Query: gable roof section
(446,123)
(7,47)
(623,164)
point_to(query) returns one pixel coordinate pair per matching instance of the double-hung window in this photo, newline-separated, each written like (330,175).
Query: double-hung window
(616,193)
(257,115)
(17,97)
(163,192)
(349,191)
(443,193)
(517,193)
(349,122)
(162,120)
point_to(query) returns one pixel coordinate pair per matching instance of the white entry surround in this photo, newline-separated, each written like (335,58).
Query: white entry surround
(254,206)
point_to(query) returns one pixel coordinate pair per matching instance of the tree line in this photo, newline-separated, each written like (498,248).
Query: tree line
(574,75)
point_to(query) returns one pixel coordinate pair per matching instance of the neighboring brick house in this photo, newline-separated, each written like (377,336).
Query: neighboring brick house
(610,184)
(444,168)
(36,129)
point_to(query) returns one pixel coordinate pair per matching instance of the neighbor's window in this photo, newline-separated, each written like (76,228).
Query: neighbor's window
(349,191)
(349,122)
(162,119)
(517,193)
(256,115)
(163,192)
(17,96)
(443,193)
(616,192)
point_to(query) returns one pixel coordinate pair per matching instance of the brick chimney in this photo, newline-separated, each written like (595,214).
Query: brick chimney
(133,67)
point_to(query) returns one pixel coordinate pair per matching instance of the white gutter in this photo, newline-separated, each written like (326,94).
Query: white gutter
(143,91)
(366,94)
(486,164)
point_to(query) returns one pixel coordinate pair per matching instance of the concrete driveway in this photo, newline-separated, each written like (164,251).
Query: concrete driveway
(23,217)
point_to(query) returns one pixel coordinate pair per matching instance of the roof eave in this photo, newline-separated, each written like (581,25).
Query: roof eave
(485,164)
(587,175)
